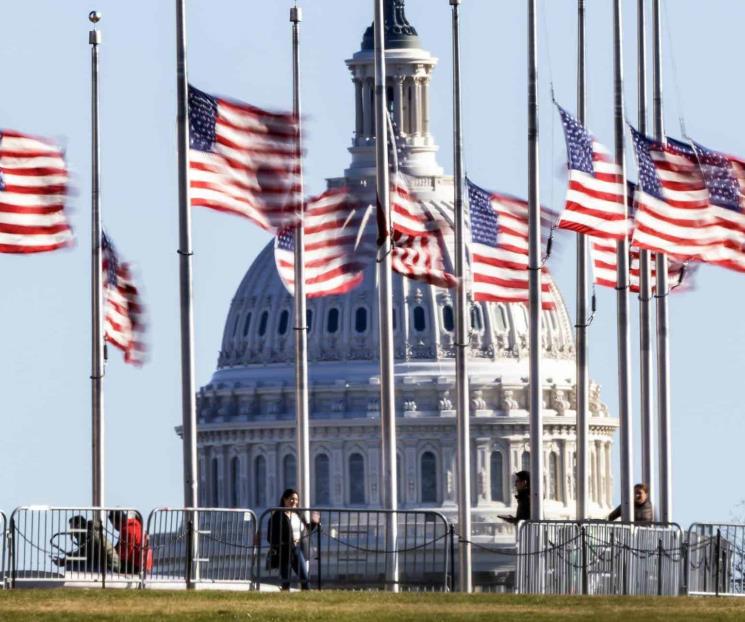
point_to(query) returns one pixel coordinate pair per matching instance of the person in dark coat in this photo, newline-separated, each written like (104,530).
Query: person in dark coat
(643,510)
(286,534)
(522,490)
(94,553)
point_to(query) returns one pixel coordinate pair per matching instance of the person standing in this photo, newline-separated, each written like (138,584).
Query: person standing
(643,510)
(132,546)
(522,490)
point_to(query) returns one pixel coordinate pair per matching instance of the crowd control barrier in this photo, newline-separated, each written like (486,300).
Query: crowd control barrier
(716,559)
(357,549)
(91,546)
(201,546)
(598,557)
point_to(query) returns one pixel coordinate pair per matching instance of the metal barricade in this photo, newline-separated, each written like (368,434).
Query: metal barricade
(201,547)
(347,549)
(715,559)
(4,550)
(76,546)
(598,557)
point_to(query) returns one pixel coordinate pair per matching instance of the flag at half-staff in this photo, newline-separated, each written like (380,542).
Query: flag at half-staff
(339,245)
(499,248)
(595,198)
(418,238)
(33,191)
(243,160)
(124,325)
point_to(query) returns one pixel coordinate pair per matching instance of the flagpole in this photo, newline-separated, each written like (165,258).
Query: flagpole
(188,410)
(385,307)
(534,275)
(302,430)
(461,315)
(645,279)
(583,428)
(97,349)
(661,295)
(622,283)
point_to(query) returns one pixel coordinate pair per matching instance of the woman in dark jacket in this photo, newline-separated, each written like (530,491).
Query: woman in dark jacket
(286,533)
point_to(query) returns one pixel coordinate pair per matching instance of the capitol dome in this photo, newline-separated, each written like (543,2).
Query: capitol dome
(246,416)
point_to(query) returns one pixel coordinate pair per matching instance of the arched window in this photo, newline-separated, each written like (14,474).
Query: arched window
(356,479)
(553,476)
(448,320)
(215,484)
(395,317)
(284,320)
(235,495)
(332,321)
(399,481)
(501,318)
(420,321)
(476,321)
(236,322)
(496,476)
(289,471)
(309,319)
(246,324)
(262,322)
(525,462)
(260,481)
(428,477)
(360,320)
(322,480)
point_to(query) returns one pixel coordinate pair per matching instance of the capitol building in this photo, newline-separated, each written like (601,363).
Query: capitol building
(246,413)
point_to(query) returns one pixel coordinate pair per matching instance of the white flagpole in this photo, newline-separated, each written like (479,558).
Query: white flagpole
(385,308)
(461,317)
(97,349)
(622,282)
(582,382)
(302,429)
(645,280)
(661,295)
(534,275)
(188,410)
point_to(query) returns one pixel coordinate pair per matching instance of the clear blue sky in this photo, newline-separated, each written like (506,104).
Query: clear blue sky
(242,49)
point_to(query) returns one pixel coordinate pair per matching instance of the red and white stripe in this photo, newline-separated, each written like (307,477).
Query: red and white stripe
(33,190)
(339,244)
(253,169)
(595,203)
(732,225)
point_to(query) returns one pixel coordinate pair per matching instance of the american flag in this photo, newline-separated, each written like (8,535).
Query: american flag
(724,176)
(418,238)
(33,187)
(339,244)
(673,215)
(499,248)
(123,311)
(243,160)
(595,198)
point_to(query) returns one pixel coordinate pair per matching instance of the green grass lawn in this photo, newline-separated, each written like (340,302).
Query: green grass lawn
(338,606)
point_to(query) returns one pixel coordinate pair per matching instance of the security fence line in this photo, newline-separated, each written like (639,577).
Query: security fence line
(716,559)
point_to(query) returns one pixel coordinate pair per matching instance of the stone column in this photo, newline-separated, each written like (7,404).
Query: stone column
(372,461)
(425,105)
(272,474)
(448,475)
(418,106)
(358,110)
(600,477)
(483,477)
(409,470)
(398,104)
(367,108)
(337,475)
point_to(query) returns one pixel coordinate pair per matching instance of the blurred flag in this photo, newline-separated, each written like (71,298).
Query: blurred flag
(243,160)
(33,187)
(339,244)
(123,312)
(499,248)
(418,238)
(595,198)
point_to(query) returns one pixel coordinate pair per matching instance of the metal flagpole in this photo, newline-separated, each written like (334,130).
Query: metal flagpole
(662,291)
(583,428)
(385,307)
(645,279)
(534,262)
(188,410)
(622,282)
(301,328)
(461,315)
(97,346)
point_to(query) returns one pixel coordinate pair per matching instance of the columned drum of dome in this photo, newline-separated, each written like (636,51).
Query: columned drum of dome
(246,411)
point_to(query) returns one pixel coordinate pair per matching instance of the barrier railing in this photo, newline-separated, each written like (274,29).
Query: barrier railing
(3,550)
(193,546)
(715,559)
(76,545)
(597,557)
(347,549)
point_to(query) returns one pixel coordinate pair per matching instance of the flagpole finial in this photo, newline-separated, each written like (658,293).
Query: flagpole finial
(94,17)
(296,14)
(94,36)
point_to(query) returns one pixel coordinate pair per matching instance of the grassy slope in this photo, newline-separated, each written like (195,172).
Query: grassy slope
(360,607)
